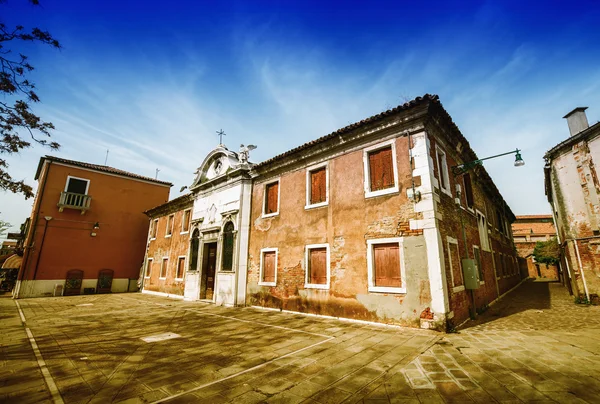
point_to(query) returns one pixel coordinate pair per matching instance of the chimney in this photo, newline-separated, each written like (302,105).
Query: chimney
(577,120)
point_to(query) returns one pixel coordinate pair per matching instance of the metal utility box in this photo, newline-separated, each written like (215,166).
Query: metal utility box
(470,273)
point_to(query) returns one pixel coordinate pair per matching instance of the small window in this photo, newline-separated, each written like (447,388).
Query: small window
(185,221)
(316,186)
(170,221)
(381,173)
(77,185)
(454,263)
(180,267)
(384,258)
(227,264)
(268,267)
(163,268)
(468,190)
(153,229)
(271,204)
(317,266)
(477,256)
(483,231)
(148,268)
(442,166)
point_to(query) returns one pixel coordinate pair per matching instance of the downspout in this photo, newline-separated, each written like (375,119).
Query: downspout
(587,293)
(34,224)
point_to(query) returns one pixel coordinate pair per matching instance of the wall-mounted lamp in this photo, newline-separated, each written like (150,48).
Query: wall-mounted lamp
(48,218)
(94,228)
(463,168)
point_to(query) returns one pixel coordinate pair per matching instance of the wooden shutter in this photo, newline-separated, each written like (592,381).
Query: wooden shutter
(272,197)
(180,267)
(269,266)
(387,265)
(468,190)
(381,169)
(318,185)
(318,266)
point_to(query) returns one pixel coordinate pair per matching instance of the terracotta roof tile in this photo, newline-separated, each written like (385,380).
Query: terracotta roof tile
(97,167)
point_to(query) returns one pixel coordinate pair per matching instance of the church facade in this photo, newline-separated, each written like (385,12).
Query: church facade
(370,222)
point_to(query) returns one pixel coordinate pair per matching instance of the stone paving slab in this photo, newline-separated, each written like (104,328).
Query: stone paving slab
(533,346)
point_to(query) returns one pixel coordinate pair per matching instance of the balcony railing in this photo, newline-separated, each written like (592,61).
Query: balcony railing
(71,200)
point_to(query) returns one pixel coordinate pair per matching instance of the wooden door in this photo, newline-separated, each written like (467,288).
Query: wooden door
(209,264)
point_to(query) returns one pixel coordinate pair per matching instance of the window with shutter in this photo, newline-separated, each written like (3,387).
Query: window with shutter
(468,190)
(148,268)
(271,198)
(318,185)
(180,267)
(163,268)
(317,266)
(455,265)
(442,167)
(381,169)
(387,265)
(170,221)
(185,221)
(268,274)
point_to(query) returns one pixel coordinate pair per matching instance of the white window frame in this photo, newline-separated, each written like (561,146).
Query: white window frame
(367,177)
(260,275)
(87,187)
(307,249)
(309,186)
(167,234)
(148,271)
(264,207)
(371,265)
(443,171)
(153,226)
(184,267)
(166,269)
(183,221)
(480,263)
(484,238)
(459,288)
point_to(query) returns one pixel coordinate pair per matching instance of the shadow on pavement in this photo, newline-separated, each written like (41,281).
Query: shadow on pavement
(530,295)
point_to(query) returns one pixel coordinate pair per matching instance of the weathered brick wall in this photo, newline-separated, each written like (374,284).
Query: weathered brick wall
(450,216)
(345,224)
(172,247)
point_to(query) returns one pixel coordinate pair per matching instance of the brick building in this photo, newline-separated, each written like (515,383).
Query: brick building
(168,246)
(527,231)
(87,230)
(372,222)
(573,190)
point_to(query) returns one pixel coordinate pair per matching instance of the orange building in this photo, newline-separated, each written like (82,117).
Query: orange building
(527,231)
(88,230)
(168,246)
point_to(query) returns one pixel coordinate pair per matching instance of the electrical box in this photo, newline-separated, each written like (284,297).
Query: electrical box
(470,273)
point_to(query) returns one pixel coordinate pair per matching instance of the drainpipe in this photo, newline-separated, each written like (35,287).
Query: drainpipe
(587,294)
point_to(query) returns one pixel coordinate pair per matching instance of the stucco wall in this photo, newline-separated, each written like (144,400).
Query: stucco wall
(345,224)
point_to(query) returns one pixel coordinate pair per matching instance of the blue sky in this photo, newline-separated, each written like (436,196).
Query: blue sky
(154,82)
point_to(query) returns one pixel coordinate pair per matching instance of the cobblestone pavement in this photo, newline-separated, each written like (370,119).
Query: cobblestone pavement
(533,346)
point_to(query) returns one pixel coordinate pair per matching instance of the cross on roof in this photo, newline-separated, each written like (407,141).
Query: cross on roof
(220,133)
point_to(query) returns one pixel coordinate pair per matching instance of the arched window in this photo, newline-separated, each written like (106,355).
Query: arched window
(194,245)
(227,247)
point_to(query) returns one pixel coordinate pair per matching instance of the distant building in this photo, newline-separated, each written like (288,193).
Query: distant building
(87,231)
(573,190)
(527,231)
(167,258)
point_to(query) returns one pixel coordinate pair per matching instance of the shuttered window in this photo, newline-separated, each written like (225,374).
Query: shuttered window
(185,221)
(170,221)
(272,198)
(381,169)
(268,273)
(318,185)
(317,266)
(386,259)
(468,190)
(163,268)
(180,267)
(148,268)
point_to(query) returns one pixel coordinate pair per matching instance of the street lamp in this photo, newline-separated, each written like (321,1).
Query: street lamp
(463,168)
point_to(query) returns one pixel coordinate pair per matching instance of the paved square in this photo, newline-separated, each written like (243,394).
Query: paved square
(533,346)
